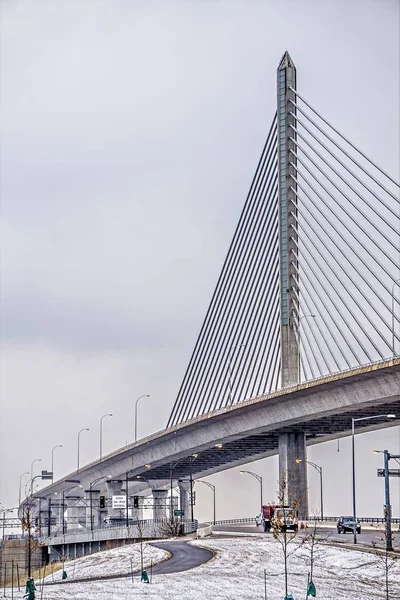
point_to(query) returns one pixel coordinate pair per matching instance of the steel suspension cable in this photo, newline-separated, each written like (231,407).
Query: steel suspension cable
(263,314)
(371,206)
(345,256)
(304,299)
(336,306)
(227,292)
(179,404)
(344,271)
(318,264)
(223,345)
(265,337)
(342,150)
(266,270)
(304,346)
(345,139)
(302,365)
(267,158)
(322,301)
(342,237)
(357,223)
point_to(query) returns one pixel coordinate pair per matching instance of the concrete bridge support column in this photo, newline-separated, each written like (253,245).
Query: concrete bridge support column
(92,510)
(184,491)
(74,514)
(114,488)
(160,504)
(292,475)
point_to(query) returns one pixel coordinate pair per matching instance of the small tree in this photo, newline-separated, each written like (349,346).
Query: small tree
(311,542)
(172,527)
(280,524)
(387,558)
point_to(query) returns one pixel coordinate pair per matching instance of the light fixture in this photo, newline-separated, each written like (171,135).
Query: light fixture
(218,445)
(148,466)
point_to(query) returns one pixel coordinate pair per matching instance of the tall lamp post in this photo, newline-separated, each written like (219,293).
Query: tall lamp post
(52,461)
(75,482)
(397,282)
(319,469)
(234,347)
(136,403)
(353,420)
(79,434)
(32,463)
(20,485)
(101,433)
(91,501)
(5,511)
(388,509)
(212,487)
(259,478)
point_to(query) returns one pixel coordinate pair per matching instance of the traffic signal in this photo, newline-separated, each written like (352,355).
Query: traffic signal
(102,501)
(135,501)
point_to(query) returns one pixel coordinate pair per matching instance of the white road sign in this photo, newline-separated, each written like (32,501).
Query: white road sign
(119,501)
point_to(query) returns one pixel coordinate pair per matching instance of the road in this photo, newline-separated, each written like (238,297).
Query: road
(367,536)
(184,557)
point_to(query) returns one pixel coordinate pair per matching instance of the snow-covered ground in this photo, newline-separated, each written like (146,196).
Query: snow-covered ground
(235,572)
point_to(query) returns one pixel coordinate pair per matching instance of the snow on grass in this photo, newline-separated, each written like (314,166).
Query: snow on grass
(111,562)
(237,571)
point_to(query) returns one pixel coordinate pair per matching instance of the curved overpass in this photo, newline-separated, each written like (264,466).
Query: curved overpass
(321,409)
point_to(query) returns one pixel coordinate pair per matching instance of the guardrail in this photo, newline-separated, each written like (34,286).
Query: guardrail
(372,520)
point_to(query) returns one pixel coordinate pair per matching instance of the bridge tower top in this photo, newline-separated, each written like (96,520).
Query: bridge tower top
(289,293)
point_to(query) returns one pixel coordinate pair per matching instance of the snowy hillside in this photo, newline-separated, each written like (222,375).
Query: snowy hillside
(235,572)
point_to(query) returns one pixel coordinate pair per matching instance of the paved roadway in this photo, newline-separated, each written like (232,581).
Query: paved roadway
(367,536)
(184,557)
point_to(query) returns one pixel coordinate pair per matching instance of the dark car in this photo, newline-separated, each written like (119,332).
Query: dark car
(347,524)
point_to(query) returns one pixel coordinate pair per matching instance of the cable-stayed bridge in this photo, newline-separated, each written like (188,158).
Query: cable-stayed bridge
(302,333)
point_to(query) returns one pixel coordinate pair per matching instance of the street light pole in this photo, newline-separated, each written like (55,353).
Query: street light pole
(5,511)
(136,403)
(52,461)
(212,487)
(259,478)
(91,501)
(32,463)
(20,485)
(75,482)
(353,420)
(230,369)
(101,433)
(85,429)
(388,509)
(319,470)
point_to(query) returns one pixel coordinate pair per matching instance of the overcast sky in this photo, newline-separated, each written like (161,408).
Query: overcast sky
(130,131)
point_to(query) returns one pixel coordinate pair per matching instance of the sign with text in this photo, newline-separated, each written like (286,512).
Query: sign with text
(179,513)
(119,501)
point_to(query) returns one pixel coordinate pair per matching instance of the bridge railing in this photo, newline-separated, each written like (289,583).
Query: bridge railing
(372,520)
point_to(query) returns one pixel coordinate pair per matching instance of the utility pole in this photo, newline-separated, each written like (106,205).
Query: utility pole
(387,507)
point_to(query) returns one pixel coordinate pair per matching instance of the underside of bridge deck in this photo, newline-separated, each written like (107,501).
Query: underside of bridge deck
(254,447)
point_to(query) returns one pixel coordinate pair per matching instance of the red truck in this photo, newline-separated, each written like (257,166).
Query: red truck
(272,515)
